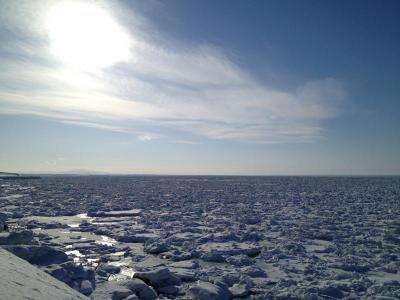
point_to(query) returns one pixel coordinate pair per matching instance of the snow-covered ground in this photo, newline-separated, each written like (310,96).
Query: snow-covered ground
(219,237)
(19,280)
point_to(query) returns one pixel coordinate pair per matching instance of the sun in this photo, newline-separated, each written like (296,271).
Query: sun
(85,36)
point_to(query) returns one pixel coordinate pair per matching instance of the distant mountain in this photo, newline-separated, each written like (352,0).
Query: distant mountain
(82,172)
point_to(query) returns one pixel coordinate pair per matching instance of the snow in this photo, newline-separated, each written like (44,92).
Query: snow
(21,280)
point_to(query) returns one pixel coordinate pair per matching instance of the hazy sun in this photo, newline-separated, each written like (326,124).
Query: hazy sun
(85,36)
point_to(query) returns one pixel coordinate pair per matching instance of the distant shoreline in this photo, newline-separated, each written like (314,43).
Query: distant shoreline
(39,175)
(18,177)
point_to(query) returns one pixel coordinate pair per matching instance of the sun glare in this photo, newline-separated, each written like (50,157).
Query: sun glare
(85,36)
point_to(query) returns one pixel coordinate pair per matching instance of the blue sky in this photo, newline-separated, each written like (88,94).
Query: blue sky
(200,87)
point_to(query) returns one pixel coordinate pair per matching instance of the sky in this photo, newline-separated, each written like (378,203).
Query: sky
(200,87)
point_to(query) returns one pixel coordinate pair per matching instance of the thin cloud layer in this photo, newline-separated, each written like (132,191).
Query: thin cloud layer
(196,90)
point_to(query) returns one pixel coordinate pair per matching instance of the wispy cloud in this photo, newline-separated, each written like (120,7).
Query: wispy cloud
(98,126)
(187,142)
(195,89)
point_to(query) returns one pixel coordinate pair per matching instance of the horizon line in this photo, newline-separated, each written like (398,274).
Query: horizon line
(98,173)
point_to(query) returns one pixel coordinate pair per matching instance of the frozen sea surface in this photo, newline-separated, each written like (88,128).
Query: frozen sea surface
(252,237)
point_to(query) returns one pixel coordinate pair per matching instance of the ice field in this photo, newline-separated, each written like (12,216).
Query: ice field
(181,237)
